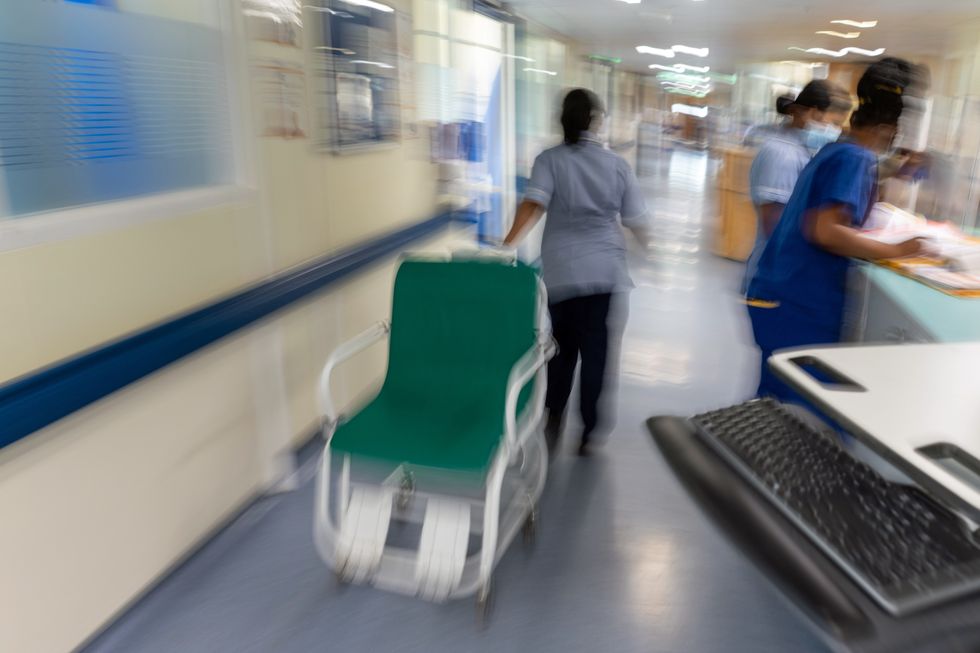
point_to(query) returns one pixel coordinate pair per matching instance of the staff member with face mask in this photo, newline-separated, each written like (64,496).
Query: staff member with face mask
(796,295)
(816,116)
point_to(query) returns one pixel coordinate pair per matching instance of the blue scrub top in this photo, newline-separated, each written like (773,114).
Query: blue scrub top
(792,270)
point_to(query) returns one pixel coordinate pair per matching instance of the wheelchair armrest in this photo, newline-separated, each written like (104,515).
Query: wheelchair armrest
(500,254)
(346,350)
(522,372)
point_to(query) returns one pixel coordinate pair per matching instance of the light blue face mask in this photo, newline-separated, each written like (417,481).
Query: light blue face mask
(818,134)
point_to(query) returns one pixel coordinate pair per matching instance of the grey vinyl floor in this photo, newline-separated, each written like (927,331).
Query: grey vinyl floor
(624,560)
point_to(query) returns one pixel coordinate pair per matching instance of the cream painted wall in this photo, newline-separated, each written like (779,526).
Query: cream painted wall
(319,202)
(73,295)
(341,200)
(98,505)
(197,11)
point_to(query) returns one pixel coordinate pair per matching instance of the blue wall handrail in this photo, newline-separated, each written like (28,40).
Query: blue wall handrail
(31,402)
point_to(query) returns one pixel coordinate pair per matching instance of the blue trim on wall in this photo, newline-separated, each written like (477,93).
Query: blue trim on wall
(34,401)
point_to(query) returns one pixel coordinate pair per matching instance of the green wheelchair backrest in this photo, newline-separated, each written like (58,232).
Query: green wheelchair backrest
(457,328)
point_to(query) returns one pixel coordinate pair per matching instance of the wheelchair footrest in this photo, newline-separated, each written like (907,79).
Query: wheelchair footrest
(442,549)
(363,532)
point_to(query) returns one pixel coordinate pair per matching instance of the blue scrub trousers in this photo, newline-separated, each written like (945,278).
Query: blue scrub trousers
(780,328)
(580,326)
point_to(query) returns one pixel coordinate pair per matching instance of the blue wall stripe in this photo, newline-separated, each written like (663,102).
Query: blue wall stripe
(34,401)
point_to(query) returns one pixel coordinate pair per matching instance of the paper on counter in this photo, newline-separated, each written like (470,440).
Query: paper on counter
(943,241)
(946,278)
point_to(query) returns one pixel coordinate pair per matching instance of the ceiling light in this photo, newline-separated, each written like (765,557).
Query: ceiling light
(687,78)
(674,49)
(841,52)
(539,70)
(632,2)
(681,77)
(691,84)
(703,88)
(681,91)
(646,49)
(867,53)
(519,58)
(842,35)
(688,110)
(692,92)
(680,68)
(686,49)
(865,24)
(370,4)
(809,64)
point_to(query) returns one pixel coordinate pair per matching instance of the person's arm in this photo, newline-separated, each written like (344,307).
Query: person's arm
(830,228)
(769,214)
(844,182)
(537,196)
(528,213)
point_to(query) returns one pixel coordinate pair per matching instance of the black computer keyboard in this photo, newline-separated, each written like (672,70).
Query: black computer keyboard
(901,547)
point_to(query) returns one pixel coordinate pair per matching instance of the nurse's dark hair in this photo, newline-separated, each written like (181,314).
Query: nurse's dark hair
(880,91)
(783,104)
(578,109)
(823,95)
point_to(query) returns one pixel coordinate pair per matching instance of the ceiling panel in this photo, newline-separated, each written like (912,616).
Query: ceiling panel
(747,30)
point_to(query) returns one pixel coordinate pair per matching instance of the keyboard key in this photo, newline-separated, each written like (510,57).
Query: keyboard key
(901,547)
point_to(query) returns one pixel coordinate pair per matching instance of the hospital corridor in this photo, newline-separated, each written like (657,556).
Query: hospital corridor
(619,562)
(431,326)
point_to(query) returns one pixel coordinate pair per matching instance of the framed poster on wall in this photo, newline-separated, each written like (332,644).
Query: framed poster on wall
(356,51)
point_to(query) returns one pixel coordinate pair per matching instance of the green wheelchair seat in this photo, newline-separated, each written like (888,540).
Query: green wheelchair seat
(457,329)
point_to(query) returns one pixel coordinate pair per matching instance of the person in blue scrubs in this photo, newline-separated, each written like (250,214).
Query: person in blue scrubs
(816,117)
(590,193)
(796,296)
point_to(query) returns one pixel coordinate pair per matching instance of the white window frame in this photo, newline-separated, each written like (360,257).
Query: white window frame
(32,229)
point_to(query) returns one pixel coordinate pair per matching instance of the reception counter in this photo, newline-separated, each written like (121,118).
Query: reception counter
(735,234)
(890,307)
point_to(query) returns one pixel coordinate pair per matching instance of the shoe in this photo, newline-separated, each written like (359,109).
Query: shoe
(588,445)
